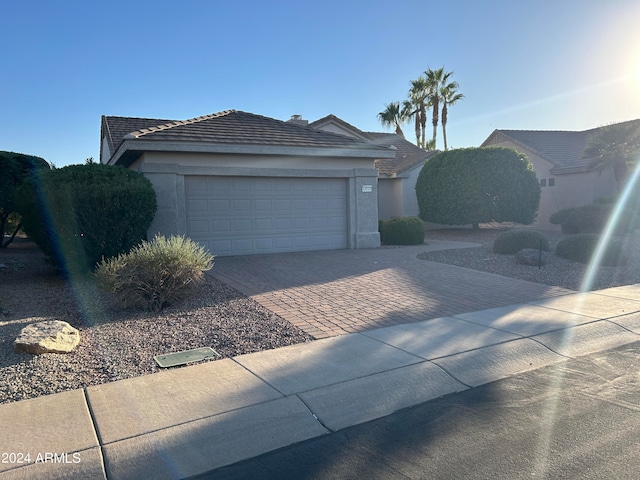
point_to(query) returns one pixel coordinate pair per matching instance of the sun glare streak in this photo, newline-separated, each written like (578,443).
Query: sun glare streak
(592,268)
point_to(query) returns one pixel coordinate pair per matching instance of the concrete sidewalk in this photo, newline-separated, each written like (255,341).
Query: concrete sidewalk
(186,421)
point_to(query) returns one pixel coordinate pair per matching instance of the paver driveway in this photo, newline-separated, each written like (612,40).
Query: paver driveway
(328,293)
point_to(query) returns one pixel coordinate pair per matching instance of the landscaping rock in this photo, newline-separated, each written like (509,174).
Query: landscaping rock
(51,336)
(531,256)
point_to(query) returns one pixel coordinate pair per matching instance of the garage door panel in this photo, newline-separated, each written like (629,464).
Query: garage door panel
(221,226)
(240,215)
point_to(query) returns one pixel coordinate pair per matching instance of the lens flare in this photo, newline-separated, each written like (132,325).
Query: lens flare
(605,238)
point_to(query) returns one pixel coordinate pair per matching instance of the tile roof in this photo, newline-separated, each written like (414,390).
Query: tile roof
(562,148)
(116,128)
(407,156)
(227,127)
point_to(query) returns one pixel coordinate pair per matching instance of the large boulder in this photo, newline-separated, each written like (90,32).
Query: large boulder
(51,336)
(531,256)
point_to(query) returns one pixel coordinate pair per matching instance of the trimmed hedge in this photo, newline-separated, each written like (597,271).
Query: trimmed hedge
(580,248)
(512,241)
(478,185)
(156,274)
(592,219)
(402,231)
(80,214)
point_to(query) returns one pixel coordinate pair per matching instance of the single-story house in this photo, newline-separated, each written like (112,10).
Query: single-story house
(240,183)
(566,178)
(398,175)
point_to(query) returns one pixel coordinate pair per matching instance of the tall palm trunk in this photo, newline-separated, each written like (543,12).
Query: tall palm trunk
(444,125)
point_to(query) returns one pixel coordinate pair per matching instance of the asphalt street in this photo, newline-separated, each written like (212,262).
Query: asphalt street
(576,419)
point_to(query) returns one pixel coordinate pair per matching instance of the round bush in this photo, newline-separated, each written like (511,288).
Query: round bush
(512,241)
(154,274)
(80,214)
(580,248)
(402,231)
(478,185)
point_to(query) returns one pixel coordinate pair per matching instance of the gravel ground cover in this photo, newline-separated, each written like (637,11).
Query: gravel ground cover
(557,271)
(118,343)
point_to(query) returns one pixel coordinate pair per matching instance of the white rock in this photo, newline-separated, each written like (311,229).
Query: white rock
(51,336)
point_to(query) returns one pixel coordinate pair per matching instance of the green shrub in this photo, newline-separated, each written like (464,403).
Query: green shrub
(512,241)
(580,248)
(80,214)
(478,185)
(15,168)
(402,231)
(584,219)
(154,274)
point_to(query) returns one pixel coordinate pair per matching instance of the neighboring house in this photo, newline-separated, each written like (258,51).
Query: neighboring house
(241,183)
(398,175)
(566,179)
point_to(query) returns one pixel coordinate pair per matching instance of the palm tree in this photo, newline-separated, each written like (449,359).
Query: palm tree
(436,79)
(418,98)
(449,95)
(614,146)
(393,116)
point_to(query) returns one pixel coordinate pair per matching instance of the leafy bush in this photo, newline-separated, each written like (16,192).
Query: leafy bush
(584,219)
(512,241)
(478,185)
(15,168)
(580,248)
(154,274)
(402,231)
(80,214)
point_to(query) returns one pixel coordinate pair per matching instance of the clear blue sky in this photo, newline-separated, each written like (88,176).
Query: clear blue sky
(527,64)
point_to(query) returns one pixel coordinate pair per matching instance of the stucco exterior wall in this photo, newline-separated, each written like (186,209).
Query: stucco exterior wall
(390,198)
(569,189)
(409,198)
(167,172)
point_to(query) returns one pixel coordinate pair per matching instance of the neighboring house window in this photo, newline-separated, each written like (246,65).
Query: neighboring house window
(552,182)
(543,182)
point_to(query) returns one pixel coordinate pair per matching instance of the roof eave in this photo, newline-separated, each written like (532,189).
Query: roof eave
(130,149)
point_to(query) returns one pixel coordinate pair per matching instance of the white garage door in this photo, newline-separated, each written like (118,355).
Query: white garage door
(240,215)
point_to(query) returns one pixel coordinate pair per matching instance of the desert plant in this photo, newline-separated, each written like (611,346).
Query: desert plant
(80,214)
(402,231)
(155,274)
(512,241)
(478,185)
(580,248)
(592,218)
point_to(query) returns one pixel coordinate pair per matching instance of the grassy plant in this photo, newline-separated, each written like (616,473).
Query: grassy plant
(155,274)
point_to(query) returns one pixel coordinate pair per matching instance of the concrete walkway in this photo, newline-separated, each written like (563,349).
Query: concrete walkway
(186,421)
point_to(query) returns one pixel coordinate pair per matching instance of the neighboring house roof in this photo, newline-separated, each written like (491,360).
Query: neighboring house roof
(230,127)
(563,149)
(332,119)
(407,155)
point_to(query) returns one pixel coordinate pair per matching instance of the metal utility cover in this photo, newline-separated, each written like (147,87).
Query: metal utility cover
(184,357)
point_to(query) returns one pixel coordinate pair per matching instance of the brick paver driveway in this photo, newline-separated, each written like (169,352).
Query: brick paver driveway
(328,293)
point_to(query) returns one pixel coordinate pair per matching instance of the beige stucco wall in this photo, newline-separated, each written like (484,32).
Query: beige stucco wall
(167,172)
(570,190)
(389,198)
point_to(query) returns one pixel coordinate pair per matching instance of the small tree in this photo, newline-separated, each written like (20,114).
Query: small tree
(15,168)
(478,185)
(80,214)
